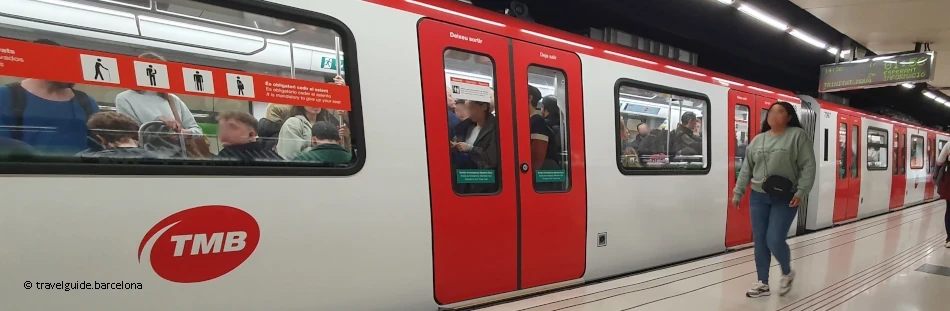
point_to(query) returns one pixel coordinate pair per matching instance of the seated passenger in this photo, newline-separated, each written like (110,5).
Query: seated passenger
(237,132)
(54,107)
(683,141)
(327,146)
(296,132)
(11,148)
(475,145)
(274,117)
(118,136)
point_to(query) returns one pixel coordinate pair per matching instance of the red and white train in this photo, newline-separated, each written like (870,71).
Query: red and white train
(389,232)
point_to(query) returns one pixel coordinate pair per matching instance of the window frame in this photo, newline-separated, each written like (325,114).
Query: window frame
(923,151)
(843,157)
(567,140)
(494,77)
(886,146)
(618,146)
(185,167)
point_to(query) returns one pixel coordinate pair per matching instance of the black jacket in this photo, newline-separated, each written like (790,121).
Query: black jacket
(484,155)
(249,152)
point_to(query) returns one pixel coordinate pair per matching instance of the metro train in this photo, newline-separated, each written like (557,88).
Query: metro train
(390,231)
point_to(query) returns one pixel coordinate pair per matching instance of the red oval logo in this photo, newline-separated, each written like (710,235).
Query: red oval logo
(201,243)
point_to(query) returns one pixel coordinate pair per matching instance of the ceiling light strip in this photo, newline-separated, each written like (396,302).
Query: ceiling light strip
(556,39)
(630,57)
(765,18)
(444,10)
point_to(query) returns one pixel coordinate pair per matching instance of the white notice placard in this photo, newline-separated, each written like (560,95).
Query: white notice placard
(470,90)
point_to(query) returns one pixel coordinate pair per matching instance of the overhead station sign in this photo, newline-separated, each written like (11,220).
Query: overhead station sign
(877,72)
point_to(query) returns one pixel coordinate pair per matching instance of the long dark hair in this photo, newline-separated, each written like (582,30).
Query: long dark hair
(792,122)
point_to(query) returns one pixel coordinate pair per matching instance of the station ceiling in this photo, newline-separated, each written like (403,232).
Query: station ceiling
(736,44)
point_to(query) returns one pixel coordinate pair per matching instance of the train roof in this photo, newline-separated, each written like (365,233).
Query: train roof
(503,25)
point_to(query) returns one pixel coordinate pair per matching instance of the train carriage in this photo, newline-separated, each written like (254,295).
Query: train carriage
(401,226)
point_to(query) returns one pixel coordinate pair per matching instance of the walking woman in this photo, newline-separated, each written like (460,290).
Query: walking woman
(943,185)
(780,164)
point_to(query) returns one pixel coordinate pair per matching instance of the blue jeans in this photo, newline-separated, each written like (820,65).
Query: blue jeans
(771,219)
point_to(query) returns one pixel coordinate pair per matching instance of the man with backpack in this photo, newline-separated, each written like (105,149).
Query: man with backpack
(49,116)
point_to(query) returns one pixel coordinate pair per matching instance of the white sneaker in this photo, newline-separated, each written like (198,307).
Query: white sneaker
(758,290)
(947,245)
(785,284)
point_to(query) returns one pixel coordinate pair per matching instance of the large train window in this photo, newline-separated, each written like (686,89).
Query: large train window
(549,128)
(742,135)
(877,149)
(472,125)
(916,152)
(176,87)
(856,153)
(673,137)
(842,151)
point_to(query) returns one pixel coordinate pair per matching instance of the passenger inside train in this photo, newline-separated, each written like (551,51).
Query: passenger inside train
(204,123)
(647,143)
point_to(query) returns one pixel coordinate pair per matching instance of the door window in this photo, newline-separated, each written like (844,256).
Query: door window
(742,135)
(842,151)
(472,125)
(549,129)
(916,152)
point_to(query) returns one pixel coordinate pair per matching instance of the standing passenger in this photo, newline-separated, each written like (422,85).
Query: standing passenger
(780,164)
(943,186)
(476,145)
(54,107)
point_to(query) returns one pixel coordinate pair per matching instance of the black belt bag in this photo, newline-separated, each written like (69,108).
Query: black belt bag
(779,186)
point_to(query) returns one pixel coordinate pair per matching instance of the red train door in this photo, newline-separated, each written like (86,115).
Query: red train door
(474,210)
(931,161)
(499,222)
(552,182)
(745,126)
(898,180)
(842,180)
(854,182)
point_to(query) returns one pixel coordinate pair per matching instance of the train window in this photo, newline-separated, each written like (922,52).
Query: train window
(940,145)
(916,152)
(903,154)
(842,151)
(826,146)
(675,136)
(549,129)
(855,152)
(152,84)
(742,135)
(897,143)
(877,149)
(472,126)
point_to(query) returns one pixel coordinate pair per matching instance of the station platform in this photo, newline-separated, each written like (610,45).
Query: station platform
(896,261)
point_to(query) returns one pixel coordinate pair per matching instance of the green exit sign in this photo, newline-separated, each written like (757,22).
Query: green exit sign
(330,63)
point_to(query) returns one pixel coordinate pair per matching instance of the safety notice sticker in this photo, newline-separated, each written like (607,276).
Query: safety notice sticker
(58,63)
(470,90)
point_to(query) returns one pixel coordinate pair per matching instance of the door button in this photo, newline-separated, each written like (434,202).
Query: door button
(524,167)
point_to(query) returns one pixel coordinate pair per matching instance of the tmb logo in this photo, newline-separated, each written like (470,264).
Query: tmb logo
(200,244)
